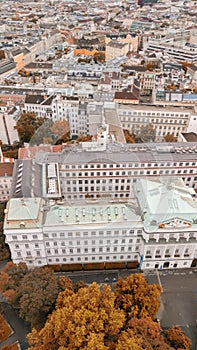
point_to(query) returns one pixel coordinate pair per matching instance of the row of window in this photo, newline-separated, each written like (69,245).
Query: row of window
(92,233)
(167,253)
(93,258)
(125,165)
(168,114)
(92,250)
(91,243)
(153,121)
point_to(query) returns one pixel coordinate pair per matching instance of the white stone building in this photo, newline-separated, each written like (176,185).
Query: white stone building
(156,228)
(168,120)
(6,171)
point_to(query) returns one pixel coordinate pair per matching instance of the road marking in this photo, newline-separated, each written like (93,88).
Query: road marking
(158,277)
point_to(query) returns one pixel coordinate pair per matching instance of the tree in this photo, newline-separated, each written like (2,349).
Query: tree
(91,318)
(170,138)
(42,133)
(10,281)
(61,130)
(128,137)
(5,329)
(27,124)
(150,334)
(99,57)
(65,283)
(39,290)
(147,133)
(85,320)
(136,297)
(33,292)
(78,285)
(84,138)
(129,341)
(177,339)
(10,347)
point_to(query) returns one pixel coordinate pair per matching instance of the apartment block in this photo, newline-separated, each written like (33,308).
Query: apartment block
(170,120)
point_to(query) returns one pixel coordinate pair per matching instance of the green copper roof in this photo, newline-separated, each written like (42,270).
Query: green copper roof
(163,200)
(23,209)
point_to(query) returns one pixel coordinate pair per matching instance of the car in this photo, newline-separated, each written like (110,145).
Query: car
(106,279)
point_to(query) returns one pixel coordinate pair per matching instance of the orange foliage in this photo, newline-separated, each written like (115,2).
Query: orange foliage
(10,347)
(5,330)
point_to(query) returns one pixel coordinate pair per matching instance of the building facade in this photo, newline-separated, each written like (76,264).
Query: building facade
(139,230)
(170,120)
(6,170)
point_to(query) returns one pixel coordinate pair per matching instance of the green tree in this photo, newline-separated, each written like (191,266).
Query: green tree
(136,297)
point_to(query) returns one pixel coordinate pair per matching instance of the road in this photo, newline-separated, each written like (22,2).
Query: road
(18,326)
(180,303)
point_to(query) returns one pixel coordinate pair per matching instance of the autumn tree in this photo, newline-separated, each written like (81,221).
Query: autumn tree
(33,292)
(177,338)
(99,57)
(84,138)
(43,134)
(65,283)
(10,347)
(136,297)
(79,284)
(27,124)
(10,281)
(83,320)
(147,133)
(149,332)
(170,138)
(61,130)
(128,341)
(5,329)
(128,137)
(39,290)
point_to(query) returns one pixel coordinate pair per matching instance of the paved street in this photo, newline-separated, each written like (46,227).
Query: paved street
(18,326)
(180,303)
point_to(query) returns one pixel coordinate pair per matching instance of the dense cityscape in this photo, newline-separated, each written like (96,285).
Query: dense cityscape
(98,175)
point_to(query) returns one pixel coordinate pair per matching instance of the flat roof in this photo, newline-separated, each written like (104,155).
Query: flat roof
(125,153)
